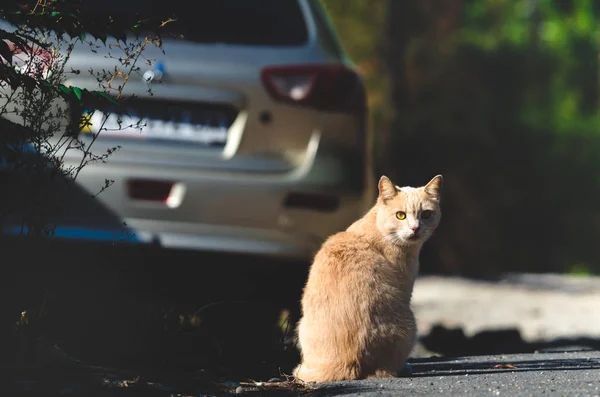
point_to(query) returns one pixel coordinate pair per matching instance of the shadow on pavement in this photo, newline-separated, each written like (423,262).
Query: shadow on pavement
(452,366)
(148,309)
(454,342)
(434,373)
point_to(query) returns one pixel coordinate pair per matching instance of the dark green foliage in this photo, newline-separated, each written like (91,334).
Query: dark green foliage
(60,17)
(502,97)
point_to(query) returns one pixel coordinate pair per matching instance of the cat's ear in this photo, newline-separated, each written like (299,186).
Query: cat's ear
(387,190)
(434,187)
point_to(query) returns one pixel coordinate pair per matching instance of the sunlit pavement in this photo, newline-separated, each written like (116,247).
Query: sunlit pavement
(541,374)
(541,307)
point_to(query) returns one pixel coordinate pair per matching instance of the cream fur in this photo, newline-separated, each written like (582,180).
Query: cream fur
(356,317)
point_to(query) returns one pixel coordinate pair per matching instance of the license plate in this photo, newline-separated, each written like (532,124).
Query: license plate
(167,123)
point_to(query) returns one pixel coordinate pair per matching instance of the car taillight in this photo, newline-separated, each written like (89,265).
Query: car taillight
(329,87)
(149,190)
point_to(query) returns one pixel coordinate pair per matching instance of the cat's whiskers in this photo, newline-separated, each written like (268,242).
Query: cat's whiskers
(394,237)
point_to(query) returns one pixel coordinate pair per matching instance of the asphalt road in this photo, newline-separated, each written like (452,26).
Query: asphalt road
(523,304)
(574,373)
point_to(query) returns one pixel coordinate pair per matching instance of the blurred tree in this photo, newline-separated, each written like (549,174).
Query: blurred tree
(360,25)
(502,97)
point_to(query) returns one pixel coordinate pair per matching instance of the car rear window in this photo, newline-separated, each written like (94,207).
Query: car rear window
(239,22)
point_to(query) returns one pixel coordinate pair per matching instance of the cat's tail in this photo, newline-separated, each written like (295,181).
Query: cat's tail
(331,372)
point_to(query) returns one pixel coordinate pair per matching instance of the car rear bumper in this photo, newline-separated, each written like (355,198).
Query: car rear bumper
(285,215)
(219,238)
(180,236)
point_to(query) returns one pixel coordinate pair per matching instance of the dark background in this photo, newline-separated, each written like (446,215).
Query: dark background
(502,98)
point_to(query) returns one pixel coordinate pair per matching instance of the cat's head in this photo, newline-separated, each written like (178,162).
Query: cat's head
(408,215)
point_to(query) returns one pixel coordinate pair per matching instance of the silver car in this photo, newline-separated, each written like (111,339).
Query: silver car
(255,138)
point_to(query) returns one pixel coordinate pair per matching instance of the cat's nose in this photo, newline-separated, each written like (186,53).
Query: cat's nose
(414,228)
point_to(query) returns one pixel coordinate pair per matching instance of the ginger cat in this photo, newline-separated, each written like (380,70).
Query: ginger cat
(356,317)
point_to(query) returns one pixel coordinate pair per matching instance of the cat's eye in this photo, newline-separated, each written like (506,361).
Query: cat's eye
(426,214)
(401,215)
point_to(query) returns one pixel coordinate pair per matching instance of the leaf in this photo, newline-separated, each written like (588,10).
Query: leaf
(65,90)
(77,92)
(21,40)
(45,86)
(5,52)
(118,33)
(109,98)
